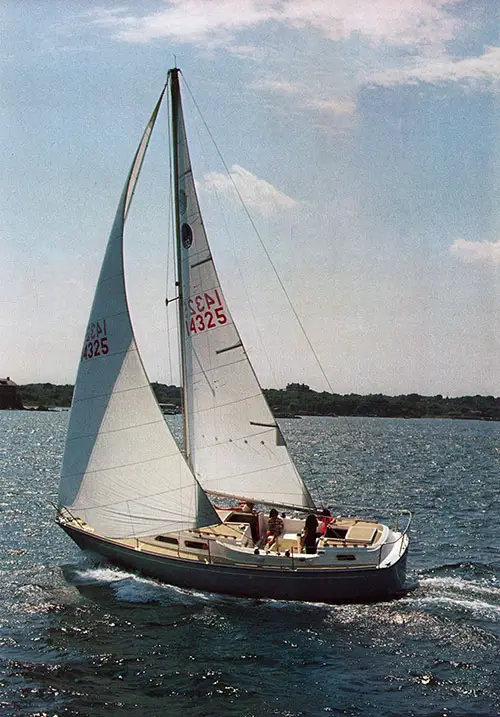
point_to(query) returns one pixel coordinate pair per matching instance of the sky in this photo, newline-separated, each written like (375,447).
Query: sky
(362,135)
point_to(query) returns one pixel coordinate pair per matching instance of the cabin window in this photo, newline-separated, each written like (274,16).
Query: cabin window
(346,557)
(166,539)
(196,544)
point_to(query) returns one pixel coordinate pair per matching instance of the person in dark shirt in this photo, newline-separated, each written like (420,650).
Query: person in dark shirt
(310,535)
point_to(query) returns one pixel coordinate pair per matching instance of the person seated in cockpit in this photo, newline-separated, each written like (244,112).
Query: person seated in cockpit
(274,529)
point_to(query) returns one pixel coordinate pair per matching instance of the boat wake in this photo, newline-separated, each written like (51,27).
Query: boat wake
(467,594)
(460,586)
(127,587)
(464,592)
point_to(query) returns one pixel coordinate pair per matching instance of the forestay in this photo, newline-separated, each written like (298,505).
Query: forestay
(122,470)
(233,442)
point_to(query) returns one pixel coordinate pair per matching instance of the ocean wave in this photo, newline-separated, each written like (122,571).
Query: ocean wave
(476,568)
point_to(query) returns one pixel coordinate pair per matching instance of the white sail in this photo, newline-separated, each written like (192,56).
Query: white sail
(122,470)
(233,442)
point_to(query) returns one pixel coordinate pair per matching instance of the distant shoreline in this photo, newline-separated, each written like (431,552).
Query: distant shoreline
(300,400)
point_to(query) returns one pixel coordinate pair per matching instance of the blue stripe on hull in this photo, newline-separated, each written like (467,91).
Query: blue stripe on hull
(307,585)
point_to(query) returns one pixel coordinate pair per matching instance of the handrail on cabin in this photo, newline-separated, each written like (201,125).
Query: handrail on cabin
(397,513)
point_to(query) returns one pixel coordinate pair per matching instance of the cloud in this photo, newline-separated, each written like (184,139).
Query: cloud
(340,107)
(310,96)
(476,252)
(482,71)
(401,23)
(389,43)
(196,21)
(255,193)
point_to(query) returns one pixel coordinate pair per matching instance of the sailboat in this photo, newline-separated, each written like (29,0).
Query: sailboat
(129,493)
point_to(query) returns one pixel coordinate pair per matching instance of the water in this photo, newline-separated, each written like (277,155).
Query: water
(79,638)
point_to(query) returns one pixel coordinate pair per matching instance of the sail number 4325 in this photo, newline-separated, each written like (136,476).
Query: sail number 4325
(204,311)
(96,340)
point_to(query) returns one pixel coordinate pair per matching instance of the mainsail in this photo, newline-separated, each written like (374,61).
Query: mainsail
(123,472)
(233,442)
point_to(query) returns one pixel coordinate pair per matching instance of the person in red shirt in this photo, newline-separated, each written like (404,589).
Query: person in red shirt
(324,520)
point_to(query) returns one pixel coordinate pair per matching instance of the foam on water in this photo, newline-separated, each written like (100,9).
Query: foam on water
(134,588)
(462,585)
(476,608)
(103,574)
(448,592)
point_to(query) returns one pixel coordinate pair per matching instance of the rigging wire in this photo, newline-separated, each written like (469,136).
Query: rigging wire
(261,241)
(243,282)
(268,256)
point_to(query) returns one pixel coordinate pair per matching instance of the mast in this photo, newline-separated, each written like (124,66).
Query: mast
(175,101)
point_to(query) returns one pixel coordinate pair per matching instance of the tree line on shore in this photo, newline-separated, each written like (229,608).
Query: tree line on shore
(300,399)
